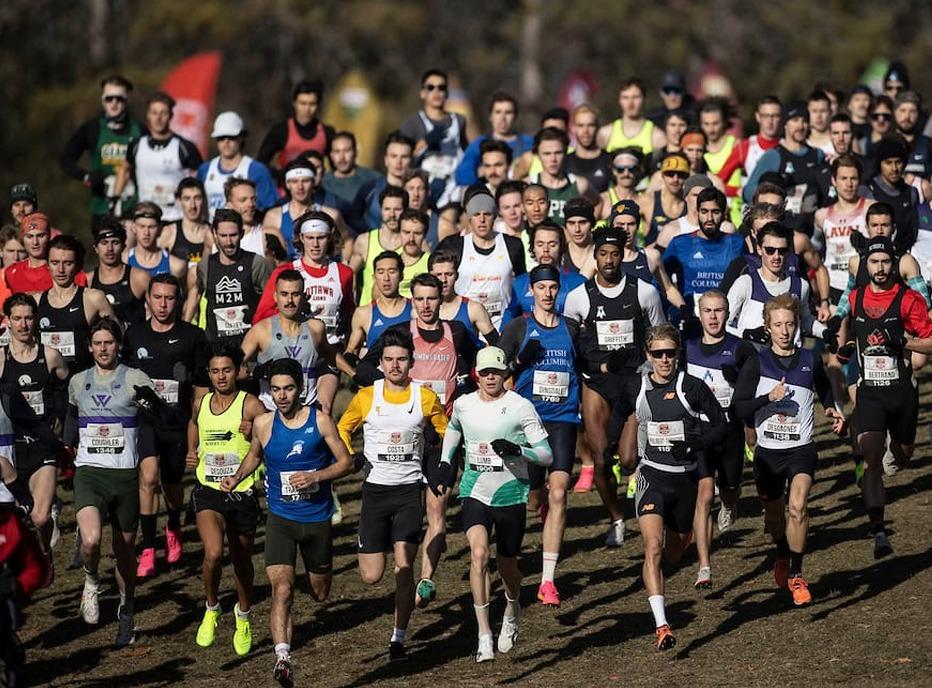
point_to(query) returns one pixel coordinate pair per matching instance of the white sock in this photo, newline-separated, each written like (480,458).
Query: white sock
(656,606)
(550,566)
(512,608)
(282,650)
(214,607)
(90,579)
(398,635)
(239,612)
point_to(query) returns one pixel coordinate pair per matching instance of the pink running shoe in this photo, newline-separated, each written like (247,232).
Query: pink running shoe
(173,548)
(548,595)
(584,481)
(146,566)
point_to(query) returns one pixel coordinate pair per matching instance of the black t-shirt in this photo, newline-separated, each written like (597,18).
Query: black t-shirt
(597,170)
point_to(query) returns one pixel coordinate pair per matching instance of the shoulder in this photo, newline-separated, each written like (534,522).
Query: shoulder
(263,422)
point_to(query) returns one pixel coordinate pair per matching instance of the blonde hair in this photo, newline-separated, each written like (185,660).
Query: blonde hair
(713,294)
(783,302)
(662,332)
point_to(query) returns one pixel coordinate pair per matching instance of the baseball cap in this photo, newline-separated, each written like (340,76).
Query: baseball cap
(908,97)
(23,192)
(228,124)
(797,108)
(697,180)
(491,358)
(673,81)
(674,163)
(881,244)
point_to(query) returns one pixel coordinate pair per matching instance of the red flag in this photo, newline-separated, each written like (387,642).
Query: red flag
(193,85)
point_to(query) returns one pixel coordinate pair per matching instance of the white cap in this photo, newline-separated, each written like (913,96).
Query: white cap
(491,358)
(228,124)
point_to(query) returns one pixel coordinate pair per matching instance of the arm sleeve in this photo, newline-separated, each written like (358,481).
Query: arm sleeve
(649,298)
(918,283)
(735,269)
(354,415)
(538,449)
(451,438)
(516,253)
(577,304)
(915,316)
(430,405)
(769,162)
(745,403)
(70,432)
(190,155)
(844,304)
(466,171)
(465,347)
(701,399)
(512,336)
(273,142)
(737,295)
(266,195)
(81,141)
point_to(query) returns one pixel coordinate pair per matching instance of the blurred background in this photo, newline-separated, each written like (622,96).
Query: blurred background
(370,55)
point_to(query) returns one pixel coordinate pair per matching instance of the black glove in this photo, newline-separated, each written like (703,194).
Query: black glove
(531,352)
(465,384)
(147,399)
(438,479)
(506,449)
(689,324)
(96,180)
(730,373)
(694,435)
(367,374)
(261,371)
(352,359)
(20,491)
(758,335)
(624,360)
(858,241)
(830,335)
(361,464)
(845,352)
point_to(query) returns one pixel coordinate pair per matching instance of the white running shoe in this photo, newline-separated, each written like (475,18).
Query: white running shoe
(486,651)
(509,633)
(337,517)
(726,518)
(890,466)
(616,534)
(90,610)
(56,533)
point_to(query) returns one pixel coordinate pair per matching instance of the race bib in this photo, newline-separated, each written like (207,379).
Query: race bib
(36,401)
(439,166)
(439,387)
(550,385)
(880,370)
(157,193)
(104,438)
(395,446)
(723,394)
(231,320)
(794,199)
(320,311)
(482,458)
(781,428)
(218,466)
(491,302)
(292,494)
(665,433)
(614,334)
(63,341)
(167,390)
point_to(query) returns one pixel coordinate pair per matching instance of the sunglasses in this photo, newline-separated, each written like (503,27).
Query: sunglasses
(225,138)
(681,175)
(663,353)
(672,91)
(114,99)
(436,87)
(881,117)
(770,250)
(621,169)
(489,372)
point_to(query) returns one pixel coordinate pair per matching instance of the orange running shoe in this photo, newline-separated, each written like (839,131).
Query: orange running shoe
(781,571)
(665,638)
(548,595)
(800,590)
(585,479)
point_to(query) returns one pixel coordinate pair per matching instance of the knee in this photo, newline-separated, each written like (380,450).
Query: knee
(557,497)
(282,592)
(798,511)
(320,591)
(479,557)
(370,576)
(402,570)
(653,549)
(704,496)
(90,538)
(212,556)
(149,481)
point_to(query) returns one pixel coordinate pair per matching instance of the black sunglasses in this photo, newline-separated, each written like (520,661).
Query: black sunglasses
(663,353)
(626,168)
(226,138)
(435,87)
(881,116)
(672,91)
(770,250)
(114,99)
(681,175)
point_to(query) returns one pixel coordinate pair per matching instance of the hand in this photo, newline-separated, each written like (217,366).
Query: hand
(303,480)
(26,503)
(757,335)
(506,448)
(844,352)
(465,384)
(438,480)
(245,427)
(824,312)
(830,334)
(229,483)
(730,373)
(367,374)
(146,398)
(778,392)
(883,337)
(839,422)
(361,464)
(623,361)
(96,180)
(181,373)
(352,359)
(694,434)
(858,241)
(190,459)
(261,371)
(689,324)
(531,352)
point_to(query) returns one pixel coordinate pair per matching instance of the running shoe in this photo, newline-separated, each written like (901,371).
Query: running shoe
(207,631)
(704,578)
(726,518)
(632,486)
(173,546)
(882,546)
(781,571)
(665,638)
(56,533)
(397,652)
(242,636)
(426,592)
(616,534)
(548,595)
(616,469)
(282,672)
(858,470)
(800,590)
(337,517)
(90,609)
(509,633)
(585,479)
(486,651)
(126,630)
(146,566)
(890,465)
(748,453)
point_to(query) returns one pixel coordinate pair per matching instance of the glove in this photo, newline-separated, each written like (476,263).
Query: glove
(624,360)
(830,335)
(96,180)
(730,373)
(465,385)
(531,352)
(695,437)
(352,359)
(758,335)
(147,399)
(858,241)
(845,352)
(688,322)
(20,491)
(361,464)
(438,479)
(506,449)
(367,374)
(261,371)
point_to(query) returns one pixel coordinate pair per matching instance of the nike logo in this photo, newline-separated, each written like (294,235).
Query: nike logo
(173,341)
(72,310)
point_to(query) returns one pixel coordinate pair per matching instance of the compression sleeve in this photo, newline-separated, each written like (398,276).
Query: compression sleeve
(823,387)
(701,399)
(451,439)
(744,402)
(70,434)
(917,283)
(84,139)
(432,410)
(538,453)
(273,142)
(844,303)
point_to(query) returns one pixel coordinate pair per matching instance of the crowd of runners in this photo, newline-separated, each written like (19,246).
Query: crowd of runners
(649,297)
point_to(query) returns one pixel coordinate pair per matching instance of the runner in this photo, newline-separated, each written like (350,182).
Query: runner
(442,265)
(715,119)
(715,357)
(889,187)
(266,241)
(627,172)
(124,286)
(666,203)
(577,255)
(503,111)
(32,275)
(23,201)
(301,132)
(102,428)
(495,161)
(346,178)
(550,146)
(299,182)
(494,487)
(858,106)
(612,309)
(413,228)
(820,111)
(398,154)
(689,223)
(393,200)
(631,129)
(217,445)
(173,353)
(665,440)
(393,414)
(587,159)
(541,348)
(747,152)
(66,311)
(186,236)
(303,455)
(146,253)
(777,390)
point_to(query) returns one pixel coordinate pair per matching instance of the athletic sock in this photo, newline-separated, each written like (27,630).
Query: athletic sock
(212,607)
(90,577)
(783,547)
(398,635)
(174,519)
(282,650)
(240,613)
(796,564)
(512,608)
(147,526)
(549,567)
(656,606)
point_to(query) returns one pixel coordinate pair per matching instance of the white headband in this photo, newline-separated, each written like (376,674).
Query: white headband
(299,173)
(315,226)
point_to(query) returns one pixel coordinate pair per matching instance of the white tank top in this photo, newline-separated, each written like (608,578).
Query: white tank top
(324,295)
(253,240)
(216,178)
(838,228)
(158,172)
(486,279)
(393,437)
